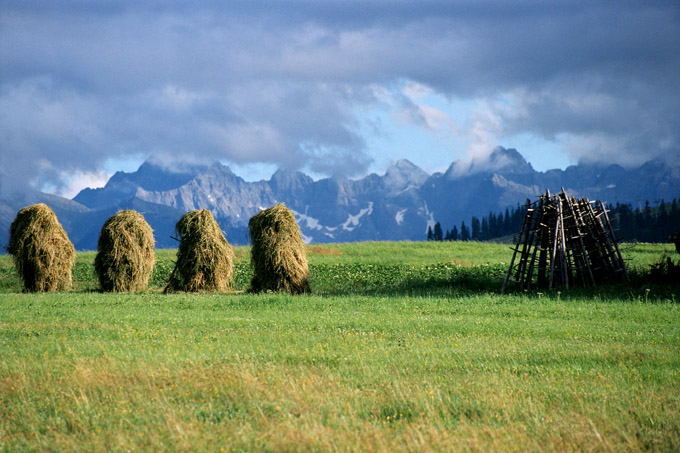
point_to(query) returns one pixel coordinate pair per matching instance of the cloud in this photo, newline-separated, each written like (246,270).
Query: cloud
(278,82)
(45,131)
(596,124)
(73,182)
(415,108)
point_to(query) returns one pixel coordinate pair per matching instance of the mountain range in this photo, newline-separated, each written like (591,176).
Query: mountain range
(398,205)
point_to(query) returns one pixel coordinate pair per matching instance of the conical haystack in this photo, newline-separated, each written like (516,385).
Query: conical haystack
(125,255)
(278,253)
(43,253)
(205,260)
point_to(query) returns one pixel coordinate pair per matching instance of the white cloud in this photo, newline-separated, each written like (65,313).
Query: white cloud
(416,91)
(75,181)
(483,131)
(279,83)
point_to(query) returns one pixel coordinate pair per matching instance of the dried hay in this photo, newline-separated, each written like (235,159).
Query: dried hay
(43,254)
(324,251)
(125,256)
(205,260)
(279,257)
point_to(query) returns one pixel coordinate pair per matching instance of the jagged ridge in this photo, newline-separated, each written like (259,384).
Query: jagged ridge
(398,205)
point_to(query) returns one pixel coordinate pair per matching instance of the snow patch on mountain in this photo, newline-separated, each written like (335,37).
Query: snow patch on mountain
(306,221)
(410,187)
(353,220)
(429,216)
(399,218)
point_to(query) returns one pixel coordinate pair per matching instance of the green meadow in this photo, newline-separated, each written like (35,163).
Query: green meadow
(401,347)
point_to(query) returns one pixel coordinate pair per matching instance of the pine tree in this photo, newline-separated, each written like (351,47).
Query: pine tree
(623,221)
(507,223)
(647,222)
(517,217)
(675,216)
(454,233)
(476,228)
(492,225)
(464,232)
(430,236)
(438,235)
(663,224)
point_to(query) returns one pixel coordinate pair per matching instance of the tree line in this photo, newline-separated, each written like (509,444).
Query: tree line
(646,223)
(641,224)
(491,226)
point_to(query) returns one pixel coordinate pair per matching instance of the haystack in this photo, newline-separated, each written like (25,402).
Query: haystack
(205,260)
(43,254)
(278,253)
(125,256)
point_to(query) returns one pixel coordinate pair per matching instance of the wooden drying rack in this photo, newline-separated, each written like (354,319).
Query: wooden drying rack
(565,242)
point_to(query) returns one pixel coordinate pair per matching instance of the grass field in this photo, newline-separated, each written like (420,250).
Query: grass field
(403,346)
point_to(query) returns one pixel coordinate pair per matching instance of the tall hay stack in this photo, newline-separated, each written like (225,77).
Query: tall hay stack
(205,260)
(125,253)
(278,253)
(43,254)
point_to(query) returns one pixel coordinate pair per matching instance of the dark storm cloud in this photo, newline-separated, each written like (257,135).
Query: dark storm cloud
(279,82)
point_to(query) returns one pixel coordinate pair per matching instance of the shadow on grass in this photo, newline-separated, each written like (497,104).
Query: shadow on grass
(403,280)
(642,286)
(660,284)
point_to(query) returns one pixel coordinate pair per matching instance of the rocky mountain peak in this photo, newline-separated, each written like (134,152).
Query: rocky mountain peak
(220,169)
(501,160)
(157,177)
(288,180)
(404,174)
(508,161)
(150,176)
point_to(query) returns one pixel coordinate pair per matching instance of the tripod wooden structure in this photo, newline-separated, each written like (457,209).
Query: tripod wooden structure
(565,242)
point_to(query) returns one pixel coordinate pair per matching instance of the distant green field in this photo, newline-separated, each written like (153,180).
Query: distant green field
(403,346)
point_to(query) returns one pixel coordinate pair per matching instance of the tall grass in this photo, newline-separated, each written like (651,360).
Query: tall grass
(452,366)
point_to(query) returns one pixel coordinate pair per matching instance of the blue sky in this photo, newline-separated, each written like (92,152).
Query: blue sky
(331,87)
